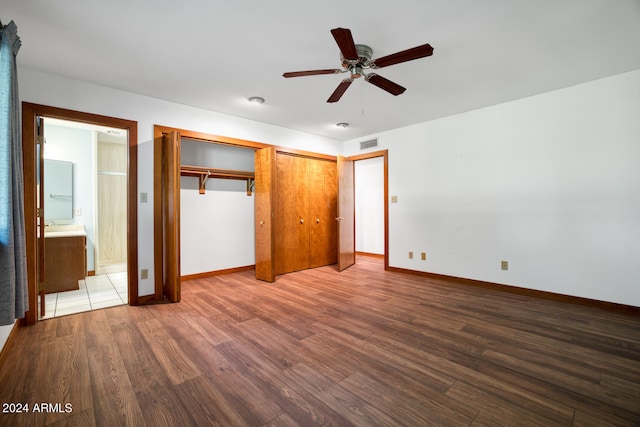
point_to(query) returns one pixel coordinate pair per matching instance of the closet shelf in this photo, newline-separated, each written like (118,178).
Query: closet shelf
(203,174)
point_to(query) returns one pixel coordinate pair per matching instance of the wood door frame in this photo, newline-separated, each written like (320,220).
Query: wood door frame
(30,113)
(385,155)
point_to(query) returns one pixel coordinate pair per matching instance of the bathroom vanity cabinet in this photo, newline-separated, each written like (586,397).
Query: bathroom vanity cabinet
(65,260)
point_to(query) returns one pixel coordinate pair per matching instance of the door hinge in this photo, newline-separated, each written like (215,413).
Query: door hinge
(40,286)
(38,212)
(40,139)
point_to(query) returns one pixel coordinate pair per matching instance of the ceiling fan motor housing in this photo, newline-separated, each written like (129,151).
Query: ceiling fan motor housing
(364,58)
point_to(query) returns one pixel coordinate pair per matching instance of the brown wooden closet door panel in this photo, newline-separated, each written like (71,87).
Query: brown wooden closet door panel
(264,224)
(300,183)
(284,215)
(171,216)
(322,211)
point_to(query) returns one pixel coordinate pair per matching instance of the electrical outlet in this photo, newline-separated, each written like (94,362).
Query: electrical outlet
(410,255)
(394,199)
(505,265)
(144,273)
(423,256)
(143,198)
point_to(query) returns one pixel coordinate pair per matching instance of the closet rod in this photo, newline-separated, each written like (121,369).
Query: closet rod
(204,173)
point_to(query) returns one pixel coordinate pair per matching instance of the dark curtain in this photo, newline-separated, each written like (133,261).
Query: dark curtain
(13,270)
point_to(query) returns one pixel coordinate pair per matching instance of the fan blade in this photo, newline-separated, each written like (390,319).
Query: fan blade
(404,56)
(312,73)
(385,84)
(340,90)
(345,43)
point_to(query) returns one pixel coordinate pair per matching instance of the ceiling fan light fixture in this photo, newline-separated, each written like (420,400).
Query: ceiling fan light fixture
(342,125)
(256,100)
(356,58)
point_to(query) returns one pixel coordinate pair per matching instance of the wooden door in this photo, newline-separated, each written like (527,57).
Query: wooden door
(301,219)
(284,215)
(291,213)
(171,216)
(40,213)
(322,213)
(264,216)
(346,214)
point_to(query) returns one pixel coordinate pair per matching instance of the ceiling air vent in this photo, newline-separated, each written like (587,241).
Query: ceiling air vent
(369,144)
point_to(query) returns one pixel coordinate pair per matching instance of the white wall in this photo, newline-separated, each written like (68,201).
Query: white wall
(5,330)
(369,203)
(216,228)
(56,91)
(549,183)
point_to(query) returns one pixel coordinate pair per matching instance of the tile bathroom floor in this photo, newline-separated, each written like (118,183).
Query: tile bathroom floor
(106,290)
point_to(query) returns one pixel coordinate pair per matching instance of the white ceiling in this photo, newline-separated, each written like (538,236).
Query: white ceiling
(214,54)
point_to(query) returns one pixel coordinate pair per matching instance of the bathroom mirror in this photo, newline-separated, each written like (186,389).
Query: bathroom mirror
(58,189)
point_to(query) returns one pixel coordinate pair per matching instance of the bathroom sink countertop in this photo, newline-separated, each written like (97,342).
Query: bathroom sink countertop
(64,230)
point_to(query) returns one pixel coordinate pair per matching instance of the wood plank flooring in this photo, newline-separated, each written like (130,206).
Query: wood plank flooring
(363,347)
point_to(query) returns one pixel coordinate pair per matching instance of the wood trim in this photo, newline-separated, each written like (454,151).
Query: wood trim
(29,132)
(146,299)
(217,272)
(8,343)
(30,112)
(371,155)
(159,130)
(303,153)
(552,296)
(385,155)
(157,215)
(369,254)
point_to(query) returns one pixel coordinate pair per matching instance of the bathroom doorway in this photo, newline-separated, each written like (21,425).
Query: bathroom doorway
(77,138)
(85,201)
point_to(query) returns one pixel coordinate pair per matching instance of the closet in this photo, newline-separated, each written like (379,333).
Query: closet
(296,212)
(203,209)
(303,212)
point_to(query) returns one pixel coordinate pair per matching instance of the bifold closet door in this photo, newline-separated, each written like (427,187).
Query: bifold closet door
(167,162)
(265,160)
(323,193)
(291,213)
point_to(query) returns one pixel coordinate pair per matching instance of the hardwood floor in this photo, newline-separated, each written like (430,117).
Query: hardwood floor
(361,347)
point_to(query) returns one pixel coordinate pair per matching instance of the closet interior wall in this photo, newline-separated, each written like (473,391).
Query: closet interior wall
(216,226)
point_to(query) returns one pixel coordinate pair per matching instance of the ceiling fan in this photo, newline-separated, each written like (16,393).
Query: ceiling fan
(357,57)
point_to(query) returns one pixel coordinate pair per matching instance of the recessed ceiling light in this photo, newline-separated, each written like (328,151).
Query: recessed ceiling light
(342,125)
(256,100)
